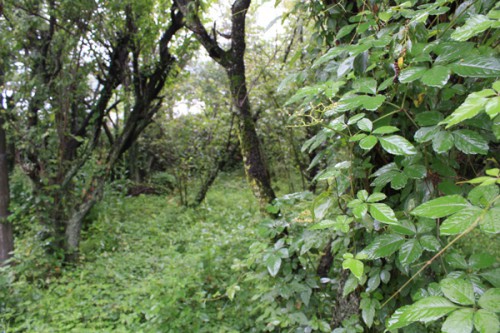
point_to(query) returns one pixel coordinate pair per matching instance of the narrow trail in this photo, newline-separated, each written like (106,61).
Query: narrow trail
(151,266)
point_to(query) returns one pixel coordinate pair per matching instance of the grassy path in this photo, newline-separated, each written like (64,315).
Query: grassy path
(149,266)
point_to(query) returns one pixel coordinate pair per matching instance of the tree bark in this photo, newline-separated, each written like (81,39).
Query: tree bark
(6,234)
(347,306)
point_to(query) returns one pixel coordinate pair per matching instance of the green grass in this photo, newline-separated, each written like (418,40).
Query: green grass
(148,265)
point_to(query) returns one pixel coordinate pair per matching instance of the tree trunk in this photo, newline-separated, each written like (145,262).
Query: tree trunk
(212,174)
(6,234)
(347,306)
(233,62)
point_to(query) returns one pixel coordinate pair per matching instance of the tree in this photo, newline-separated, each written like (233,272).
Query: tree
(232,60)
(70,83)
(6,233)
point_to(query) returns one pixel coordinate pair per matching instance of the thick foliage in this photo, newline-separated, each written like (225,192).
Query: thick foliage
(408,99)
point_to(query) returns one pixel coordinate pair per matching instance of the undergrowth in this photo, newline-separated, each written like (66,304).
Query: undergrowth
(150,266)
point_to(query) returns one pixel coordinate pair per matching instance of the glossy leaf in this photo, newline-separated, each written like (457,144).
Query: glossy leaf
(478,66)
(273,263)
(473,26)
(437,76)
(459,222)
(383,213)
(425,310)
(368,142)
(490,300)
(355,266)
(473,104)
(365,125)
(383,246)
(460,321)
(385,130)
(486,321)
(470,142)
(411,74)
(410,252)
(442,142)
(458,290)
(491,221)
(397,145)
(441,207)
(430,243)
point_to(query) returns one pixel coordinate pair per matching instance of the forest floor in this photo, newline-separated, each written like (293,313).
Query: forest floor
(148,265)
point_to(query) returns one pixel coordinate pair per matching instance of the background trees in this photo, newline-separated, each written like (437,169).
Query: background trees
(78,66)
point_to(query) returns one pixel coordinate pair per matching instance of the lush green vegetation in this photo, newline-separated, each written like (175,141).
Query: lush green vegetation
(146,265)
(367,139)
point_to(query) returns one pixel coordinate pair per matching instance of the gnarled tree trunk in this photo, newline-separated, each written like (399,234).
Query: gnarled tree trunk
(6,234)
(233,62)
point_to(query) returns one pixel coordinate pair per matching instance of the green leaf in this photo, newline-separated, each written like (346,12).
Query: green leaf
(355,266)
(383,213)
(345,30)
(430,243)
(470,142)
(410,252)
(491,222)
(273,263)
(368,307)
(405,227)
(456,260)
(486,321)
(399,181)
(365,125)
(350,285)
(345,66)
(371,103)
(376,197)
(428,118)
(425,134)
(425,310)
(492,107)
(357,137)
(441,207)
(365,85)
(325,224)
(458,290)
(360,211)
(385,130)
(383,246)
(415,171)
(354,119)
(490,300)
(482,195)
(437,76)
(368,142)
(451,51)
(478,66)
(459,222)
(473,104)
(460,321)
(442,142)
(472,27)
(481,260)
(492,276)
(397,145)
(321,205)
(411,74)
